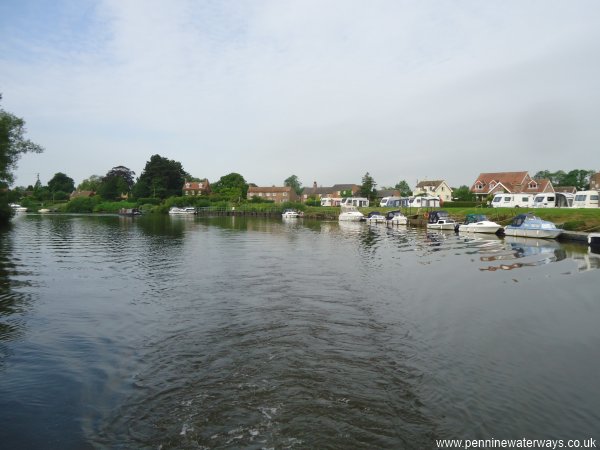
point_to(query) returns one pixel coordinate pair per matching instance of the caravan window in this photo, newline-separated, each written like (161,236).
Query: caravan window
(550,199)
(594,197)
(525,199)
(497,199)
(539,199)
(580,198)
(507,199)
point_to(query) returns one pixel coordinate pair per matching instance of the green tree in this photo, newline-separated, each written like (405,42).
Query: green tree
(231,186)
(463,194)
(579,178)
(61,183)
(12,145)
(404,188)
(161,178)
(293,182)
(117,181)
(90,184)
(367,189)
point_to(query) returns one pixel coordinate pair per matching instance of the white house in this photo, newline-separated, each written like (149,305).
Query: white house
(434,188)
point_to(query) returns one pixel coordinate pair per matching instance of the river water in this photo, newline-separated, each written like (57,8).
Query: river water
(160,332)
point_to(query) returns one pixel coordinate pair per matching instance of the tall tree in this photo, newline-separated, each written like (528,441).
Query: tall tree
(232,186)
(116,182)
(90,184)
(12,145)
(463,194)
(61,183)
(293,182)
(404,188)
(367,188)
(161,178)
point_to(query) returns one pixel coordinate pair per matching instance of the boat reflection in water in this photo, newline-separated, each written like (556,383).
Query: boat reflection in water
(536,252)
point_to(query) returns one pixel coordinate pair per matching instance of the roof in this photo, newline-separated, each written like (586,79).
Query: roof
(82,194)
(567,189)
(202,184)
(252,189)
(434,183)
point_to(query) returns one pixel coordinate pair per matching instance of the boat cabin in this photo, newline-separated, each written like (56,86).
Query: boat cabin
(474,218)
(436,216)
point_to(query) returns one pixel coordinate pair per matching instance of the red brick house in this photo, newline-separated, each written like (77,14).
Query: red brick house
(196,187)
(274,193)
(85,194)
(595,182)
(511,182)
(334,191)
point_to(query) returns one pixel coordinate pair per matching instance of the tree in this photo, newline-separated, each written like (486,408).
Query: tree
(61,183)
(90,184)
(117,181)
(463,194)
(12,145)
(293,182)
(161,178)
(404,188)
(231,186)
(367,188)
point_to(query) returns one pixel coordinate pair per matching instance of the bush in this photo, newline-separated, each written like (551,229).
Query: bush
(82,204)
(149,201)
(113,207)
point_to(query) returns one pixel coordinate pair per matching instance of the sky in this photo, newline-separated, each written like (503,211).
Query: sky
(326,90)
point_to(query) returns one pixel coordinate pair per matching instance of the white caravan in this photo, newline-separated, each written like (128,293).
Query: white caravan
(328,201)
(553,200)
(586,199)
(424,202)
(389,201)
(357,202)
(512,201)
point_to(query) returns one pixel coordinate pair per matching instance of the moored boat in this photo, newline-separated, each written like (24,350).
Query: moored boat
(528,225)
(396,218)
(290,214)
(351,214)
(17,208)
(129,212)
(478,223)
(175,210)
(594,240)
(375,217)
(440,220)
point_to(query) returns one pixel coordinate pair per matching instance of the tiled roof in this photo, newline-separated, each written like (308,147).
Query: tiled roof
(269,189)
(434,183)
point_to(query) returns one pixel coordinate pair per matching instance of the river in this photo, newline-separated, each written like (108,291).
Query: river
(178,332)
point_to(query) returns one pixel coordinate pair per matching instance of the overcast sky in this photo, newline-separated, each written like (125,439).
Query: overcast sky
(326,89)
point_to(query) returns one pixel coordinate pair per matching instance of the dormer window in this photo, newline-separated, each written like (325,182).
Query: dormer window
(187,185)
(492,185)
(532,185)
(479,185)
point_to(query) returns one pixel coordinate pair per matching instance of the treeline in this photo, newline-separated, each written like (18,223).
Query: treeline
(579,178)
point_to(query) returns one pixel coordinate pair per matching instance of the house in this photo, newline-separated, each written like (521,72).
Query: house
(84,194)
(595,182)
(510,182)
(381,193)
(434,188)
(274,193)
(335,191)
(195,188)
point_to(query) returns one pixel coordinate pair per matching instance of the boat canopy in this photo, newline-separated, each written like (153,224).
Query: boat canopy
(434,216)
(374,213)
(474,218)
(521,218)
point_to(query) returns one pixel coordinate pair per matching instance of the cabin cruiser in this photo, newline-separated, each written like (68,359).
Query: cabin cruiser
(528,225)
(375,217)
(396,218)
(439,220)
(594,240)
(186,210)
(291,214)
(351,214)
(478,223)
(17,208)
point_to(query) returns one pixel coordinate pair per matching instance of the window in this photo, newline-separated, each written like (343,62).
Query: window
(525,199)
(507,199)
(532,184)
(285,194)
(492,185)
(479,186)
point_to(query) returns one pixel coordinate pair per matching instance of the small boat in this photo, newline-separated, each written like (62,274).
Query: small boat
(396,218)
(440,220)
(17,208)
(478,223)
(528,225)
(130,212)
(290,214)
(351,214)
(375,217)
(44,211)
(175,210)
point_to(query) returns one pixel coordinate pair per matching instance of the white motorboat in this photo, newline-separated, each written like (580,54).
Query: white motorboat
(175,210)
(440,220)
(291,214)
(396,218)
(478,223)
(44,211)
(528,225)
(375,217)
(351,214)
(17,208)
